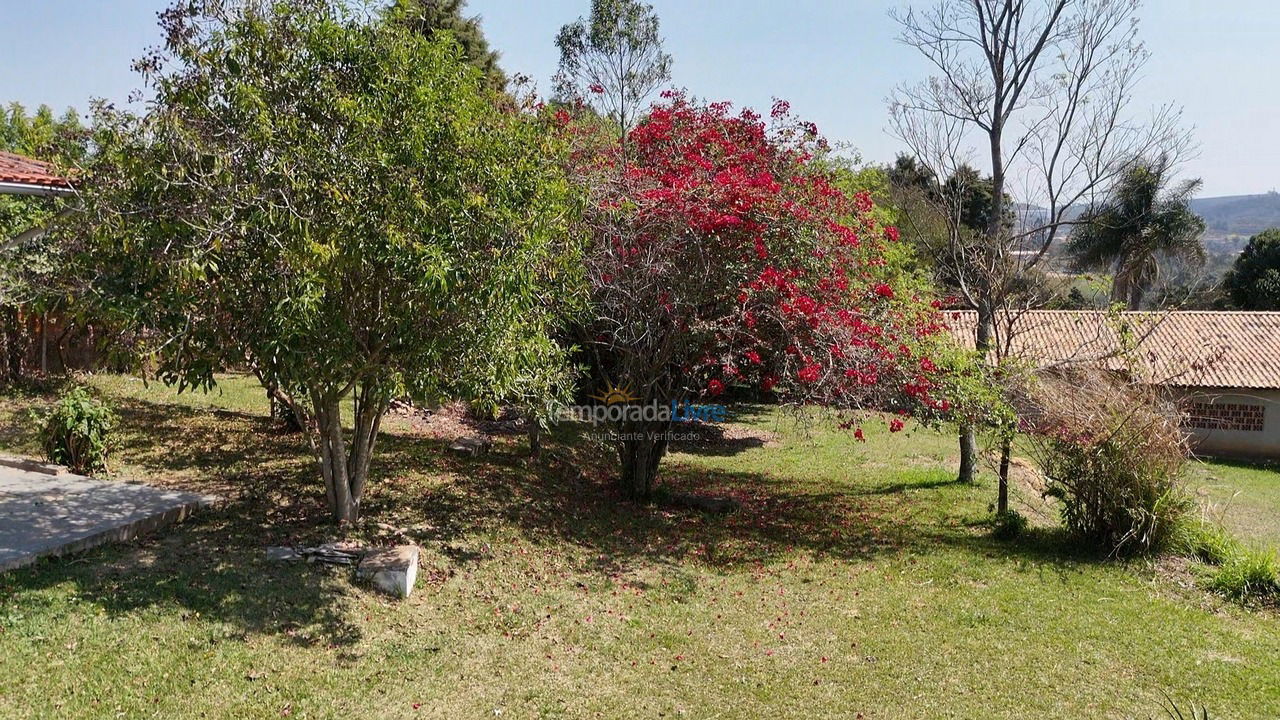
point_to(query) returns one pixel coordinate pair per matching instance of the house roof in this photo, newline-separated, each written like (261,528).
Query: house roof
(19,174)
(1181,348)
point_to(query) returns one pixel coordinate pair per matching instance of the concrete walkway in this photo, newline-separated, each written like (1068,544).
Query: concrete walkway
(47,512)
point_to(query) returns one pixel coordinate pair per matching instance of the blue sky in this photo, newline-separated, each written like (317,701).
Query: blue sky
(835,60)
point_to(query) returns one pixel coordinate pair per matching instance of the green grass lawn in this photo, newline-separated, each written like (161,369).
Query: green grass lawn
(855,579)
(1245,497)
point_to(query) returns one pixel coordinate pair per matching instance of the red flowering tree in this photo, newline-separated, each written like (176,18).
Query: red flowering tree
(724,254)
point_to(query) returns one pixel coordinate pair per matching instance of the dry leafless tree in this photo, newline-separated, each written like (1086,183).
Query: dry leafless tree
(1040,92)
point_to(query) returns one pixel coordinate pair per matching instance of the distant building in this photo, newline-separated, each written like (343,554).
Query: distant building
(1224,366)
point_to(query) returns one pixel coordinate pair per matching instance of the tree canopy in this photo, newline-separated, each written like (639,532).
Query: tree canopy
(1143,220)
(1254,280)
(428,17)
(338,203)
(931,206)
(613,60)
(724,255)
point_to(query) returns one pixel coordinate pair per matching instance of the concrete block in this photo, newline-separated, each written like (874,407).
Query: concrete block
(392,570)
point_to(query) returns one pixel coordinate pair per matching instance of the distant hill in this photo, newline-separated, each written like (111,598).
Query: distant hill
(1239,214)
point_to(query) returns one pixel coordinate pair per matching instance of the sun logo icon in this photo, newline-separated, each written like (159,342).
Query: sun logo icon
(613,394)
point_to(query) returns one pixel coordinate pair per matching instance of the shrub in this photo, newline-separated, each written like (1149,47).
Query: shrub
(723,254)
(77,432)
(1111,499)
(1008,525)
(1241,573)
(1248,575)
(1205,541)
(1114,454)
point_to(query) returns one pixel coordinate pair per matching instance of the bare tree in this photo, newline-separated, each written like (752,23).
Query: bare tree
(1040,92)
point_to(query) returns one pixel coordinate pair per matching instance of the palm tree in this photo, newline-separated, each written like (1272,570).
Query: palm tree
(1141,223)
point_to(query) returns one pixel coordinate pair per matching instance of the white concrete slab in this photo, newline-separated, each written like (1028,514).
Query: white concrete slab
(43,514)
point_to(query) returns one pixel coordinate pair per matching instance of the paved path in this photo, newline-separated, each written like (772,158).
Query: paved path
(52,514)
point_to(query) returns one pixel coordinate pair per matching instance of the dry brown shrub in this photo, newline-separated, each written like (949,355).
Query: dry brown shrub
(1113,452)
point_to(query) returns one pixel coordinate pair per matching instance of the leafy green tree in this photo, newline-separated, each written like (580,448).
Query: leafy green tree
(977,207)
(903,267)
(906,171)
(339,204)
(613,60)
(974,206)
(966,195)
(33,275)
(430,16)
(1144,220)
(1254,280)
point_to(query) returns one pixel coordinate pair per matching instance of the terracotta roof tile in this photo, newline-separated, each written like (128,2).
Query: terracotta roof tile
(1183,348)
(25,171)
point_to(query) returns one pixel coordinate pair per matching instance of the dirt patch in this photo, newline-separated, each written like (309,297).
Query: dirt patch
(1024,472)
(457,419)
(720,439)
(1028,487)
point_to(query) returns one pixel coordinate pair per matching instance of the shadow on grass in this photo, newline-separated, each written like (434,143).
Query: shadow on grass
(569,497)
(165,440)
(1263,464)
(214,564)
(18,430)
(566,501)
(714,440)
(162,437)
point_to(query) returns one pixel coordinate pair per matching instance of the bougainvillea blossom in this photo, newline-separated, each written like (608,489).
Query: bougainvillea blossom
(725,254)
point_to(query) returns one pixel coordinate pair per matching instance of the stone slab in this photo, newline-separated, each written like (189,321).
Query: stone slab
(44,514)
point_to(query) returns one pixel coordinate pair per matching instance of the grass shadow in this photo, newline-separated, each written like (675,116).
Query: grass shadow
(711,439)
(212,566)
(565,502)
(569,497)
(1262,464)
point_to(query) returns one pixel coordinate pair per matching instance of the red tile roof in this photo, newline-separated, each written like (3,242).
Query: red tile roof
(20,170)
(1182,348)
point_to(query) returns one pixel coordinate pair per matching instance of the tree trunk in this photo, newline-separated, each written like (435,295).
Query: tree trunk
(1002,495)
(1121,286)
(968,454)
(1129,286)
(44,344)
(282,410)
(58,344)
(535,439)
(641,446)
(968,435)
(1136,292)
(345,466)
(14,347)
(987,296)
(992,295)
